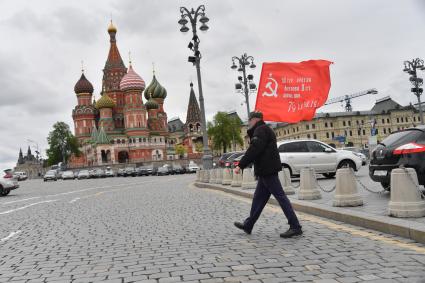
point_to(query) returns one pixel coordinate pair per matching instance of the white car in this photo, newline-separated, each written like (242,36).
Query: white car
(298,154)
(20,176)
(357,152)
(192,168)
(6,185)
(68,175)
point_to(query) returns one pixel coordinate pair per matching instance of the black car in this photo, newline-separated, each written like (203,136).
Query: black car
(229,162)
(223,158)
(142,171)
(162,171)
(130,171)
(178,169)
(406,147)
(120,172)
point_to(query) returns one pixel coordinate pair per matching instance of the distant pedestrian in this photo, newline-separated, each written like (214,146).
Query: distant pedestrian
(264,154)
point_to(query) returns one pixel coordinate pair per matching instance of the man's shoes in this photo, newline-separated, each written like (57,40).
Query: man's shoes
(242,227)
(291,233)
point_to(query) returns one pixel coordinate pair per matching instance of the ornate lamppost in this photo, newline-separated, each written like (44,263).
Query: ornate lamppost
(194,17)
(245,85)
(411,67)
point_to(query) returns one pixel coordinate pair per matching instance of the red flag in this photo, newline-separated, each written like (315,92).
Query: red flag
(291,92)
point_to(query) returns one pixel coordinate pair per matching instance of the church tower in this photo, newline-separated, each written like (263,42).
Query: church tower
(84,113)
(113,72)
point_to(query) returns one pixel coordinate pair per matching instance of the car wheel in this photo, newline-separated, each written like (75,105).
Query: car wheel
(345,163)
(4,191)
(329,175)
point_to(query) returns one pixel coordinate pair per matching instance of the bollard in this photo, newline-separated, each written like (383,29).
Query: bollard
(227,177)
(198,175)
(201,175)
(248,179)
(405,197)
(346,189)
(212,176)
(206,176)
(219,176)
(285,180)
(308,187)
(237,179)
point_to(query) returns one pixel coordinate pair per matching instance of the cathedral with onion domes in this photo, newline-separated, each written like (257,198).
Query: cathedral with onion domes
(121,126)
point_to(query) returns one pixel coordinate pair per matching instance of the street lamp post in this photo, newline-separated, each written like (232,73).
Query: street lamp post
(410,67)
(246,84)
(194,16)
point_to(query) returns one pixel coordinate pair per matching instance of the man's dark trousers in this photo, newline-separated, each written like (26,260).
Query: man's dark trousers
(267,186)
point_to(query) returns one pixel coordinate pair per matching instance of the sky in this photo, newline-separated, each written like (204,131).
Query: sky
(44,42)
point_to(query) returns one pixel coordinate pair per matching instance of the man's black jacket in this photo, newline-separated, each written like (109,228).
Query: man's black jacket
(262,151)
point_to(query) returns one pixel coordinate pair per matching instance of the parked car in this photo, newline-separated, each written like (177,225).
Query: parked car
(92,173)
(229,162)
(357,151)
(109,172)
(120,172)
(9,177)
(178,169)
(192,168)
(50,175)
(21,176)
(68,175)
(223,158)
(130,171)
(405,147)
(75,174)
(298,154)
(6,185)
(162,171)
(99,173)
(83,174)
(142,171)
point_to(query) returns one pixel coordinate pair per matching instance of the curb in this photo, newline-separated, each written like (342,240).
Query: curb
(394,226)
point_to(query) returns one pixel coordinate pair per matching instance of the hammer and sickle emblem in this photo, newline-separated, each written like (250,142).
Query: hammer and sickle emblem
(271,87)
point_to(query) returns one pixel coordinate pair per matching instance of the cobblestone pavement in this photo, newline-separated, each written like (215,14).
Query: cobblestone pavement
(160,229)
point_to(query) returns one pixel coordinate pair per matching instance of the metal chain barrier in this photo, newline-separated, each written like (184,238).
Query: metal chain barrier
(363,185)
(418,187)
(320,187)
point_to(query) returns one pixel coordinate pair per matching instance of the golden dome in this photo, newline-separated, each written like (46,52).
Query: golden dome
(111,27)
(105,102)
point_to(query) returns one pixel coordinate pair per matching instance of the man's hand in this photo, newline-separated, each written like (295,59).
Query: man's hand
(237,169)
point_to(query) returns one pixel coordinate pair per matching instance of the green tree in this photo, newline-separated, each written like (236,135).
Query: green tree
(224,131)
(199,147)
(62,143)
(180,150)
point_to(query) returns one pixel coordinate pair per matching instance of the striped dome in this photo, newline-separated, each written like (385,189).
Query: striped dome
(132,80)
(151,104)
(155,90)
(105,102)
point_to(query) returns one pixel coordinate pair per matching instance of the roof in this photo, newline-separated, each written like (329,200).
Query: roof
(102,137)
(193,112)
(155,90)
(175,125)
(385,104)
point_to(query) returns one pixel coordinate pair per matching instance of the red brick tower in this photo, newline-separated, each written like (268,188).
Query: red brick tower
(84,114)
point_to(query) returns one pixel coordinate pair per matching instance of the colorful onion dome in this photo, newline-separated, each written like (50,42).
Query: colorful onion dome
(83,85)
(105,102)
(155,90)
(111,27)
(151,104)
(132,80)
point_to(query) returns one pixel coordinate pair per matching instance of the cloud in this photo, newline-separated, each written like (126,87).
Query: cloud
(43,43)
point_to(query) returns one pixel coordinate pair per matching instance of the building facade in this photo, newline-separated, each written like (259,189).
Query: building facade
(121,127)
(352,128)
(30,164)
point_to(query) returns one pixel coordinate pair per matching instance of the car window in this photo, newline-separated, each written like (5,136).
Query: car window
(402,137)
(293,147)
(315,146)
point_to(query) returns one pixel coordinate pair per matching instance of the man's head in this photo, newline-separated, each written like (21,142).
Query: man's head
(254,118)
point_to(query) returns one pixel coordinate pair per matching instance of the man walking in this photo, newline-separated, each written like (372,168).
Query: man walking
(263,153)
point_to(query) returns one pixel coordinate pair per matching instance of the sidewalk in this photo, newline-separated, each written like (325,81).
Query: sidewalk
(372,215)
